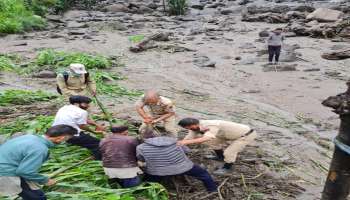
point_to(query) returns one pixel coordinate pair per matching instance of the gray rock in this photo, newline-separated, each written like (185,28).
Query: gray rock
(226,11)
(198,6)
(76,32)
(144,9)
(152,5)
(116,8)
(312,70)
(45,74)
(54,18)
(74,24)
(203,61)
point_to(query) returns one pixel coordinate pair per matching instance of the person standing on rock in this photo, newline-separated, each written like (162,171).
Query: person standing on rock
(21,159)
(76,115)
(274,42)
(226,138)
(161,109)
(76,81)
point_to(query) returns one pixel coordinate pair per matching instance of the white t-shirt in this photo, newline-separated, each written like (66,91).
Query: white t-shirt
(71,115)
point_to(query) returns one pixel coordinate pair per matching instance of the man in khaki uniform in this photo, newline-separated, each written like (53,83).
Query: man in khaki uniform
(76,81)
(161,109)
(226,138)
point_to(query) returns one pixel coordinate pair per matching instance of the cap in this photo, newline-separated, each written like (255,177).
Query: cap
(78,68)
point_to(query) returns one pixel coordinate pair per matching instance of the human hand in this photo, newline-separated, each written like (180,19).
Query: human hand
(51,182)
(100,128)
(148,120)
(93,93)
(181,143)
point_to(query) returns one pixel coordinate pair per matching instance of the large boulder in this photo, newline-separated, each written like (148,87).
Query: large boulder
(325,15)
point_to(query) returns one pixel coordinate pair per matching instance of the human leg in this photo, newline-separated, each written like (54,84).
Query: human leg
(30,194)
(202,175)
(271,53)
(277,53)
(89,142)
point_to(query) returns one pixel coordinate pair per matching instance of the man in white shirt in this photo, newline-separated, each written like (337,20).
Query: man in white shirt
(76,115)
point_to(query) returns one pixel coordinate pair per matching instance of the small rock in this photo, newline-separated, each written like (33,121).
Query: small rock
(312,70)
(198,6)
(203,61)
(226,11)
(74,24)
(45,74)
(152,5)
(20,44)
(144,9)
(76,32)
(55,18)
(238,58)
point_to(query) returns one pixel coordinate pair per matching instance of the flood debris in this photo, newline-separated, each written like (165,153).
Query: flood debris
(147,43)
(337,55)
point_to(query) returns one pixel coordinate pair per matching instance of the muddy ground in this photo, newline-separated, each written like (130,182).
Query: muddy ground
(291,155)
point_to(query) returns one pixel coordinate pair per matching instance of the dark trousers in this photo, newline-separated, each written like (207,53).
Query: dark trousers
(29,194)
(88,142)
(196,172)
(274,51)
(125,182)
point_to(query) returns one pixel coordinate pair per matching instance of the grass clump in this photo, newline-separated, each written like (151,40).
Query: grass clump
(24,97)
(177,7)
(16,17)
(86,181)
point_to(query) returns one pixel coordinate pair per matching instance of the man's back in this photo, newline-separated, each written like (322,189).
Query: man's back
(71,115)
(23,155)
(163,157)
(119,151)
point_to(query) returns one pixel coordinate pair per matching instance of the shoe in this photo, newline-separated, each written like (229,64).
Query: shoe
(213,157)
(222,171)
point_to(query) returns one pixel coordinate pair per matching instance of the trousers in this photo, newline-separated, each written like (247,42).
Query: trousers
(196,172)
(87,141)
(274,51)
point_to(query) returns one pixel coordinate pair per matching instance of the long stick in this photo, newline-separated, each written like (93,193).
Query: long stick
(108,116)
(61,170)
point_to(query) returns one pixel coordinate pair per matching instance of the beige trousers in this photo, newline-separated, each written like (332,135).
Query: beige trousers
(232,147)
(169,126)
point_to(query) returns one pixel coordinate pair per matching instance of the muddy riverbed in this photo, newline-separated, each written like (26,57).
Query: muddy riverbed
(295,130)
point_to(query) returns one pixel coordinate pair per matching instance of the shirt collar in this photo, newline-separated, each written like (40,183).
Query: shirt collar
(47,142)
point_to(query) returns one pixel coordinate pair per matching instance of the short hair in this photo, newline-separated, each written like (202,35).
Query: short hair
(79,99)
(119,129)
(148,133)
(60,130)
(188,122)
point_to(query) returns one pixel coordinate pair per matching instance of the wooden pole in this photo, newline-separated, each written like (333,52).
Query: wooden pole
(337,186)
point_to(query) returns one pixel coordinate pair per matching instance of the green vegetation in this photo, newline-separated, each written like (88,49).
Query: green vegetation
(136,38)
(23,97)
(177,7)
(105,85)
(16,16)
(86,181)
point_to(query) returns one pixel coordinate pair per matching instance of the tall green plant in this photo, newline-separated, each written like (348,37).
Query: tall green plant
(177,7)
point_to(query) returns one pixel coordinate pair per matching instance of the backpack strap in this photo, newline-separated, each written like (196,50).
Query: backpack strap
(87,77)
(65,76)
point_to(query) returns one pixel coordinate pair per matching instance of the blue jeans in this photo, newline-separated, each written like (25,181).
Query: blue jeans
(197,172)
(29,194)
(126,182)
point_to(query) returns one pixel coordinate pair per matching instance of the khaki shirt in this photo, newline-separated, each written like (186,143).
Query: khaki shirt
(219,129)
(75,84)
(164,106)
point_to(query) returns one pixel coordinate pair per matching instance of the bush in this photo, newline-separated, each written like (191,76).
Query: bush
(15,17)
(177,7)
(23,97)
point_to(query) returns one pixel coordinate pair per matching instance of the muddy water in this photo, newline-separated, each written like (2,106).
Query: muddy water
(284,107)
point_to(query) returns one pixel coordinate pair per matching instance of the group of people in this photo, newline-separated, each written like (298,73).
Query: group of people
(154,155)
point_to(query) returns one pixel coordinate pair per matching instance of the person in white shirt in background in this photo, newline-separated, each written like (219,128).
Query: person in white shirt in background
(76,115)
(274,42)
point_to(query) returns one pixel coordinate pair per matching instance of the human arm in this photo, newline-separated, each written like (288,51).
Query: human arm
(139,108)
(194,141)
(169,111)
(163,117)
(29,167)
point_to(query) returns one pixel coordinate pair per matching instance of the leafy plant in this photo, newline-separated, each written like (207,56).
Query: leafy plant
(23,97)
(136,38)
(105,85)
(177,7)
(6,64)
(15,17)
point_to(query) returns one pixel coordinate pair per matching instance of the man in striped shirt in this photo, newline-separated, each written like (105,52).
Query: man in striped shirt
(164,158)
